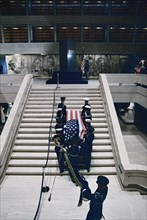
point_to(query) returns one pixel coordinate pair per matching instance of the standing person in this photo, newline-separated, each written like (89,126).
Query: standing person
(86,69)
(59,145)
(86,102)
(62,106)
(86,113)
(86,146)
(97,198)
(73,151)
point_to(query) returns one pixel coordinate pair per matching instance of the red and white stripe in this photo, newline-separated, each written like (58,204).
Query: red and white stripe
(75,114)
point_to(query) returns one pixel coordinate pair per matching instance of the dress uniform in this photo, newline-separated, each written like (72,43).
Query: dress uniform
(73,151)
(59,145)
(87,113)
(86,100)
(96,199)
(86,146)
(60,117)
(62,107)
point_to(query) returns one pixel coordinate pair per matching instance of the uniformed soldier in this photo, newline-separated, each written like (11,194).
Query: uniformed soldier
(62,107)
(86,102)
(73,151)
(97,198)
(86,146)
(86,113)
(60,119)
(59,146)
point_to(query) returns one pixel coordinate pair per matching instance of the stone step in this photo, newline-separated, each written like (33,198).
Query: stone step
(45,142)
(46,136)
(30,148)
(46,115)
(46,130)
(48,98)
(73,99)
(68,103)
(49,111)
(47,125)
(48,120)
(52,156)
(68,92)
(54,163)
(55,171)
(70,106)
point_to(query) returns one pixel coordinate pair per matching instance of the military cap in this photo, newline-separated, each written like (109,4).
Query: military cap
(62,98)
(103,180)
(86,99)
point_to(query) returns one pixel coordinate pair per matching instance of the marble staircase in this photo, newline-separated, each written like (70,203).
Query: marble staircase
(31,145)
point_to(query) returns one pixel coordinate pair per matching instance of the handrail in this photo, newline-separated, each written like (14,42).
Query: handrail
(130,175)
(10,129)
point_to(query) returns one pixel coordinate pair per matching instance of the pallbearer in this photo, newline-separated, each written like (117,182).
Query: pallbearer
(86,113)
(86,100)
(62,107)
(59,146)
(86,146)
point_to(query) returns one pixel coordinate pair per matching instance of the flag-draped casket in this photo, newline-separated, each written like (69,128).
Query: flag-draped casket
(74,128)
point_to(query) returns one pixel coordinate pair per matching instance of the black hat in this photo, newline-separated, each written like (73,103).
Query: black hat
(62,98)
(103,180)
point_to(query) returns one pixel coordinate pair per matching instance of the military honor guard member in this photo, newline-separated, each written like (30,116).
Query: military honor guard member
(86,113)
(59,146)
(62,108)
(86,102)
(96,199)
(86,146)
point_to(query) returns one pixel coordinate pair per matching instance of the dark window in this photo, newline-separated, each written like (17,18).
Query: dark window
(141,34)
(121,34)
(13,7)
(15,34)
(142,7)
(93,33)
(67,7)
(43,34)
(123,7)
(44,7)
(94,7)
(69,32)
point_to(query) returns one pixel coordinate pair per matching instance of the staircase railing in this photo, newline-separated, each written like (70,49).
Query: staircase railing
(130,175)
(9,132)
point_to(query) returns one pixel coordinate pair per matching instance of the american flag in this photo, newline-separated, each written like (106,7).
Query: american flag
(74,125)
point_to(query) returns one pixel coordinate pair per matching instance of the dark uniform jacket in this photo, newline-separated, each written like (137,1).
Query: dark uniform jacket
(96,202)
